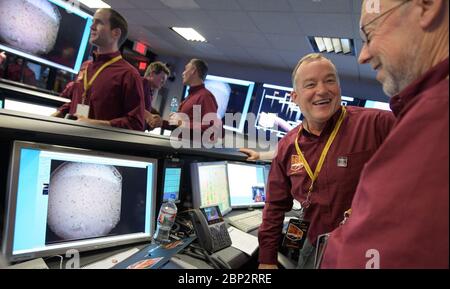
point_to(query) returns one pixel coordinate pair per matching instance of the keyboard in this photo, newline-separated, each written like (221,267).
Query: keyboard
(246,221)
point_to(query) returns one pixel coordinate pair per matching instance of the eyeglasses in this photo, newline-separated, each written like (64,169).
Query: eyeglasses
(363,33)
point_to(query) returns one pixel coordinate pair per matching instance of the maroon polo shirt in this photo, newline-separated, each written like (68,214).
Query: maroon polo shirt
(116,95)
(401,205)
(362,132)
(199,95)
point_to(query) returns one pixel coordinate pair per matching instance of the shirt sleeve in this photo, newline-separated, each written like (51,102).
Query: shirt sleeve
(279,200)
(67,93)
(133,101)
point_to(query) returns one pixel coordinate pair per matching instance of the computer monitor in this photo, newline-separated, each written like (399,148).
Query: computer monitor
(247,184)
(275,111)
(51,32)
(62,198)
(210,185)
(350,101)
(377,104)
(172,180)
(232,96)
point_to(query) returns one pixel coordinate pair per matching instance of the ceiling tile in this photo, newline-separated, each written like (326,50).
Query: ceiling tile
(255,40)
(278,23)
(218,4)
(195,19)
(265,5)
(146,4)
(233,21)
(166,18)
(333,25)
(136,16)
(117,4)
(322,6)
(289,42)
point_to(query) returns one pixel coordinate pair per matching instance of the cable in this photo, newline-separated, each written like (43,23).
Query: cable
(61,261)
(200,253)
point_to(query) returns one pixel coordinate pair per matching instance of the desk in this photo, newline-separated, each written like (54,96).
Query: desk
(26,127)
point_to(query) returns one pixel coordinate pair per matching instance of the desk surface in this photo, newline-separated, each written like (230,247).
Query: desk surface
(28,127)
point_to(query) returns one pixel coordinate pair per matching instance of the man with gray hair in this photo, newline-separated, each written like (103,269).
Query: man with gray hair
(400,212)
(319,162)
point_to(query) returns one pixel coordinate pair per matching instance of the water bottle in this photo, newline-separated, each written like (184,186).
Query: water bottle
(174,105)
(166,218)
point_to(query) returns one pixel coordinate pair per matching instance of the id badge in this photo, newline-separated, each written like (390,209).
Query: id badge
(296,233)
(83,110)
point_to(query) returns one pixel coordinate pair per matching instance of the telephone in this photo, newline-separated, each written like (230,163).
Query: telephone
(210,228)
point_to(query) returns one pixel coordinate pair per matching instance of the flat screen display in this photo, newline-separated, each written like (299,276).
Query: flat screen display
(62,198)
(51,32)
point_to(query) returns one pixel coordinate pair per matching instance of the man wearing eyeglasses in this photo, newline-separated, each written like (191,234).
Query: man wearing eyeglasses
(400,212)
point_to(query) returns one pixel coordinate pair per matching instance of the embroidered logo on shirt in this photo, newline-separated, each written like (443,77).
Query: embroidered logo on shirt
(342,162)
(296,164)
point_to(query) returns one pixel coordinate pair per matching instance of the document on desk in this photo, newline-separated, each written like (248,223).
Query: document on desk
(243,241)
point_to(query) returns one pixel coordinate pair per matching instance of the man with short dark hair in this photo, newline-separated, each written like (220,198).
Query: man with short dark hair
(110,92)
(194,75)
(400,212)
(154,79)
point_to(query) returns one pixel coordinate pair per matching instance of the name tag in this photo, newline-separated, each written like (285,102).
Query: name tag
(342,162)
(83,110)
(296,233)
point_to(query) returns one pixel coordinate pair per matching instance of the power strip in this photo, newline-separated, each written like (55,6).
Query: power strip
(111,261)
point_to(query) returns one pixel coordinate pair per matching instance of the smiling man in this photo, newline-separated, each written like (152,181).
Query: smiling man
(400,213)
(344,138)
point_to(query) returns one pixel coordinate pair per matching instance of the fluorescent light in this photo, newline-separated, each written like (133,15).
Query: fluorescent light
(332,45)
(95,3)
(337,45)
(189,34)
(346,46)
(328,44)
(320,44)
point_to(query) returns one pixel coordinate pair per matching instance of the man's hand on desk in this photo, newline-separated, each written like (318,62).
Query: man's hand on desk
(57,114)
(252,155)
(267,266)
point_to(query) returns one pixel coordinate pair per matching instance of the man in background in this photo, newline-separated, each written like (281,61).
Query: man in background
(154,79)
(400,212)
(194,75)
(111,91)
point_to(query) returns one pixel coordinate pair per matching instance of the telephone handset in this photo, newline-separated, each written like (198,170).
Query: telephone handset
(210,228)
